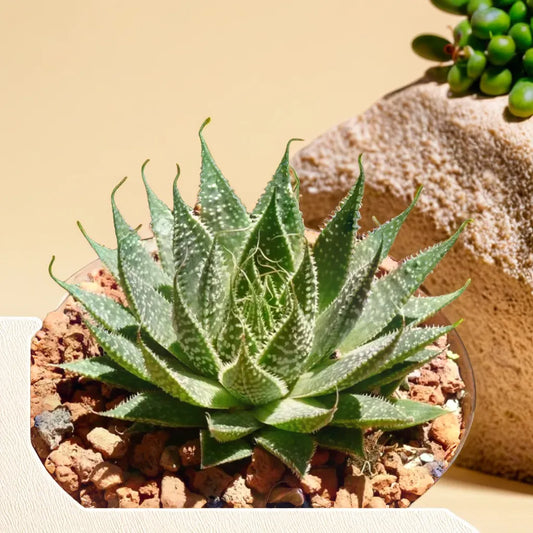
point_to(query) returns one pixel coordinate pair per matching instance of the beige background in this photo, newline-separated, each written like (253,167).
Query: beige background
(91,89)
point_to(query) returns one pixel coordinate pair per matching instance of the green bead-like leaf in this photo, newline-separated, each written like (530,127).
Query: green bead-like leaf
(216,453)
(221,211)
(162,227)
(193,340)
(300,416)
(293,449)
(176,380)
(159,409)
(251,383)
(346,440)
(333,249)
(191,245)
(104,369)
(108,257)
(106,311)
(337,320)
(391,292)
(225,427)
(432,47)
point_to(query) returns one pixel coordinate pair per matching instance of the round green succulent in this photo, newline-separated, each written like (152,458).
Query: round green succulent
(491,50)
(240,327)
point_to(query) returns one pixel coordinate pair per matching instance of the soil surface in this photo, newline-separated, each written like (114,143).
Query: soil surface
(102,462)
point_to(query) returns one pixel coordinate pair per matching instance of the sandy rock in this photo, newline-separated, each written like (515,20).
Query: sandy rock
(90,397)
(264,471)
(84,462)
(147,454)
(321,502)
(174,493)
(404,503)
(321,481)
(356,492)
(376,503)
(238,494)
(107,475)
(170,458)
(111,446)
(60,463)
(428,377)
(77,410)
(294,496)
(211,482)
(392,462)
(44,397)
(190,453)
(446,430)
(451,381)
(128,498)
(149,493)
(382,481)
(415,481)
(474,161)
(91,497)
(426,394)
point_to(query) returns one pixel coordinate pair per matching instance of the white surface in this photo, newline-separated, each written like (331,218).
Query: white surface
(32,502)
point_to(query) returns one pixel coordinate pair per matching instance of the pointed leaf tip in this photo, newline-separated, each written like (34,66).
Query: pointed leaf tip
(204,124)
(117,187)
(142,169)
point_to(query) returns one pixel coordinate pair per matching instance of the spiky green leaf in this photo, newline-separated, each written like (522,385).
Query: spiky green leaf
(360,411)
(176,380)
(122,351)
(383,236)
(221,211)
(106,311)
(159,409)
(346,440)
(390,293)
(396,372)
(193,340)
(215,453)
(415,413)
(305,285)
(300,416)
(293,449)
(419,308)
(191,245)
(333,249)
(287,350)
(225,427)
(249,382)
(104,369)
(338,319)
(162,226)
(287,204)
(108,257)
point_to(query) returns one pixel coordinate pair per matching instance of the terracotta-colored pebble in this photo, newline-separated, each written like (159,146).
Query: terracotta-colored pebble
(446,430)
(415,481)
(170,458)
(264,471)
(211,482)
(107,475)
(147,454)
(111,446)
(128,498)
(376,503)
(238,494)
(175,494)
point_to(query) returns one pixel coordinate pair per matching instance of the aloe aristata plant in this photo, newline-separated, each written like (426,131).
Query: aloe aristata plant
(242,328)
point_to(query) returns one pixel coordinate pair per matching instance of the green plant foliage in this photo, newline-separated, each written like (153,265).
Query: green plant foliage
(232,325)
(491,50)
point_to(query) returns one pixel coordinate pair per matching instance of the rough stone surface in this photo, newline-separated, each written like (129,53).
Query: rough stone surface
(211,482)
(147,454)
(474,160)
(238,494)
(170,458)
(54,425)
(107,443)
(174,493)
(446,429)
(356,492)
(263,471)
(414,481)
(107,475)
